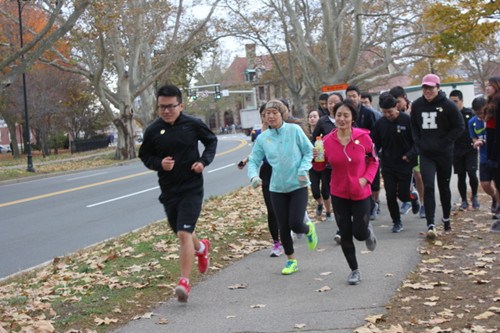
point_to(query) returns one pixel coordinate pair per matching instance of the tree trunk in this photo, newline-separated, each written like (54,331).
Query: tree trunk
(13,138)
(125,147)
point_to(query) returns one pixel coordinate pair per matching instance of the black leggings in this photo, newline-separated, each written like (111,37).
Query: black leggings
(352,220)
(320,183)
(397,185)
(430,167)
(265,174)
(290,209)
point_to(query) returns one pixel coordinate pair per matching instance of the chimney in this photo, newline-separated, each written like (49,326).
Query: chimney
(250,54)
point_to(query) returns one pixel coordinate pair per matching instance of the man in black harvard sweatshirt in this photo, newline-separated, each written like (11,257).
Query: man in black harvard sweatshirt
(436,124)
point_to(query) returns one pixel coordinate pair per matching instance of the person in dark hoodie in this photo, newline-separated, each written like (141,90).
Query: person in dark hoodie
(436,125)
(170,147)
(465,156)
(322,105)
(393,138)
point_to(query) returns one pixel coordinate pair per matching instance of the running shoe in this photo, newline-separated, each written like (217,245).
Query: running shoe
(446,223)
(277,249)
(421,213)
(319,210)
(203,258)
(371,241)
(182,290)
(397,228)
(493,205)
(475,202)
(329,217)
(354,277)
(415,202)
(290,267)
(311,236)
(464,205)
(405,208)
(337,238)
(431,233)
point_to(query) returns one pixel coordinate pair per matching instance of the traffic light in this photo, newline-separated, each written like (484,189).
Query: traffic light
(193,94)
(217,93)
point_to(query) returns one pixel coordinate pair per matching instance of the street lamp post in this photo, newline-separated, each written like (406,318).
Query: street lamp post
(27,134)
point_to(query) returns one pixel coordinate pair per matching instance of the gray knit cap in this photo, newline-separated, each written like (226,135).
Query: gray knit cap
(278,105)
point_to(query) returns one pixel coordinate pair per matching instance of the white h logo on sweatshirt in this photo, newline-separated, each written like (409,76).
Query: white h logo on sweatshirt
(429,120)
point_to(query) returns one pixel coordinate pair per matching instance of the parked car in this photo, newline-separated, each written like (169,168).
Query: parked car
(255,131)
(4,149)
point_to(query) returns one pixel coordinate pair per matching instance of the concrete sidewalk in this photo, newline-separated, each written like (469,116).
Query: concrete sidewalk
(272,302)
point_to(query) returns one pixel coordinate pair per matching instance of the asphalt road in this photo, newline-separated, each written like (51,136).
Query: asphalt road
(44,218)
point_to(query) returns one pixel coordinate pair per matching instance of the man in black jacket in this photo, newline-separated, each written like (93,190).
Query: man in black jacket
(436,125)
(366,119)
(393,139)
(170,147)
(465,156)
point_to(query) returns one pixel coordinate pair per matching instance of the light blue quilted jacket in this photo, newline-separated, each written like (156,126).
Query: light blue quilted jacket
(289,151)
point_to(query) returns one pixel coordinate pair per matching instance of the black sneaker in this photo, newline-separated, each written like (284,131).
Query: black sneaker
(415,202)
(446,223)
(397,228)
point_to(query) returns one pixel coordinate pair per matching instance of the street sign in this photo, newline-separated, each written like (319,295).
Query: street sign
(334,87)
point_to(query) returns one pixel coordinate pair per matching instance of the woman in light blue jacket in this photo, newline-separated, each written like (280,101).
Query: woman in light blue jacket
(289,151)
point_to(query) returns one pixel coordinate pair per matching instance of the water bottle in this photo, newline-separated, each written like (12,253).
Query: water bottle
(318,145)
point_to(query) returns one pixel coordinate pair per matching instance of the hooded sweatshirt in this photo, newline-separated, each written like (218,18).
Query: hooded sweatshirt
(289,152)
(436,125)
(350,163)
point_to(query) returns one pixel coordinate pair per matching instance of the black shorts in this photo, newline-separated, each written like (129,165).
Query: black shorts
(485,172)
(183,209)
(465,162)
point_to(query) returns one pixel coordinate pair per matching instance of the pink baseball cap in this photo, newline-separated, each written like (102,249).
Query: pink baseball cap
(431,80)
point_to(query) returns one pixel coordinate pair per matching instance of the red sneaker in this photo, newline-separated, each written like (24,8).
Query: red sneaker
(182,290)
(203,258)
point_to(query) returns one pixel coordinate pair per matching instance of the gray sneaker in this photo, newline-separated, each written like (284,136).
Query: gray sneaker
(329,217)
(397,228)
(371,241)
(354,277)
(421,213)
(475,202)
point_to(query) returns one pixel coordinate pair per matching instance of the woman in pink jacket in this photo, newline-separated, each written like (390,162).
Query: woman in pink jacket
(354,164)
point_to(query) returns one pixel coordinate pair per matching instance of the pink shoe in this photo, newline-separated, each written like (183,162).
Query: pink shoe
(182,290)
(203,258)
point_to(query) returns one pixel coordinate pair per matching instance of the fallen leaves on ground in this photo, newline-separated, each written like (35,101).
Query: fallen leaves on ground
(455,286)
(136,263)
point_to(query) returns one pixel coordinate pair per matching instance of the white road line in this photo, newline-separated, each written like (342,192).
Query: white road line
(221,168)
(122,197)
(87,176)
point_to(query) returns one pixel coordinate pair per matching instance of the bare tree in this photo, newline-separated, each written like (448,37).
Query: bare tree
(127,46)
(484,61)
(55,27)
(335,41)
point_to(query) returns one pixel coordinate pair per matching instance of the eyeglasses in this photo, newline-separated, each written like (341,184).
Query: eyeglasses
(169,107)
